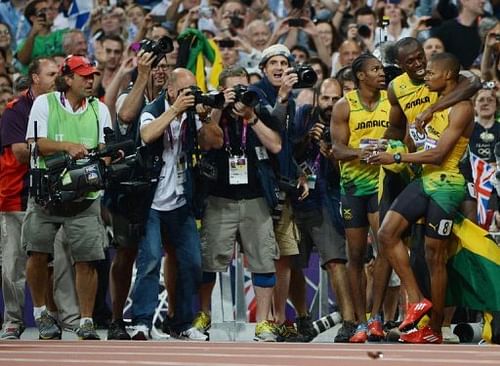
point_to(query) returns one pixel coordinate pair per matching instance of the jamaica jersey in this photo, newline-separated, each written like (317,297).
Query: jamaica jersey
(414,98)
(444,183)
(434,131)
(359,178)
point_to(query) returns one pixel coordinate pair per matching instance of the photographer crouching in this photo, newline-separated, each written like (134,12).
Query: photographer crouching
(69,121)
(171,121)
(240,175)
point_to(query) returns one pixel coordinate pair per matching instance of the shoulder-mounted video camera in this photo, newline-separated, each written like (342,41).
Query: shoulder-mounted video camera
(65,179)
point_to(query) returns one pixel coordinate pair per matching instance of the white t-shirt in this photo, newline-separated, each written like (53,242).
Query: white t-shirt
(166,197)
(40,113)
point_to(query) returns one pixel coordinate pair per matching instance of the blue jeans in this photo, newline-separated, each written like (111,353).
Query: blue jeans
(180,228)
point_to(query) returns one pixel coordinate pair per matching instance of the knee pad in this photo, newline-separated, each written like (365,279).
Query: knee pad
(208,277)
(264,279)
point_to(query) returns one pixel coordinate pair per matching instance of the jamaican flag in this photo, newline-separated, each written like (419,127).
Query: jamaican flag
(473,267)
(195,50)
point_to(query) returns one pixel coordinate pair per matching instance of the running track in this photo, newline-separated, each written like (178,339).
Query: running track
(174,353)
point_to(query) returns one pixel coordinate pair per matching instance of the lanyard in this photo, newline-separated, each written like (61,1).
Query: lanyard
(227,141)
(316,164)
(182,135)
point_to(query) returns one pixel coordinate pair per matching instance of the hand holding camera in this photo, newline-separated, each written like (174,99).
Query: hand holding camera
(243,111)
(288,80)
(40,23)
(145,63)
(184,101)
(316,132)
(76,151)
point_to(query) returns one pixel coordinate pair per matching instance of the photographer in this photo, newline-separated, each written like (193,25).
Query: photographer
(275,92)
(147,86)
(318,216)
(236,200)
(169,121)
(70,122)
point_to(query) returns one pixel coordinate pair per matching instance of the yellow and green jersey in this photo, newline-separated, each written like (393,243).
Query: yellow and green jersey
(359,178)
(444,183)
(414,98)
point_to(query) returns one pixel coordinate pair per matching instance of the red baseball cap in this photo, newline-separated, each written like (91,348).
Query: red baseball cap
(79,65)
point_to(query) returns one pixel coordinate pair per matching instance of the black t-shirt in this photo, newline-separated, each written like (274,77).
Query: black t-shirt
(222,188)
(482,141)
(462,41)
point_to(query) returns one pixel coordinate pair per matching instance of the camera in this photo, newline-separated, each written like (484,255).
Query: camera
(297,22)
(211,99)
(245,96)
(42,15)
(159,49)
(307,76)
(237,22)
(297,4)
(489,85)
(226,43)
(433,22)
(364,31)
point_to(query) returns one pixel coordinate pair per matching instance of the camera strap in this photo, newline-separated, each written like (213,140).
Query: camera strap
(227,140)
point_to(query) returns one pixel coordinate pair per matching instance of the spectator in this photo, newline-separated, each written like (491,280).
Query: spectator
(75,43)
(6,43)
(432,46)
(6,96)
(348,51)
(397,27)
(41,41)
(460,36)
(11,13)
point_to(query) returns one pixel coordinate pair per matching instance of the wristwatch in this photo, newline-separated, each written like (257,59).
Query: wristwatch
(397,158)
(253,121)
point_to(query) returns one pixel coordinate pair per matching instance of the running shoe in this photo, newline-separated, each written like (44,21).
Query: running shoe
(361,334)
(424,335)
(414,313)
(375,330)
(265,332)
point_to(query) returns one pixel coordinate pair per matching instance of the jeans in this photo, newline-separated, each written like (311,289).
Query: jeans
(182,234)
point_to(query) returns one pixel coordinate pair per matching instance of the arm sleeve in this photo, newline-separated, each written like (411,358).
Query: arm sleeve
(12,127)
(40,114)
(104,120)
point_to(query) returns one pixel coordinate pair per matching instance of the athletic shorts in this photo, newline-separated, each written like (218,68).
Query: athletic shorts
(355,209)
(436,197)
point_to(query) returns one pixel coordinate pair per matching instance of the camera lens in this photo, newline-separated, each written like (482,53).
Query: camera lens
(364,31)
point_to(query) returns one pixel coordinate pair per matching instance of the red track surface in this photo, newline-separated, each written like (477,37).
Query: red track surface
(169,353)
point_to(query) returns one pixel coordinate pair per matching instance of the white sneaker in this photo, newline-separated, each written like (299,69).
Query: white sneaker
(140,332)
(449,337)
(193,334)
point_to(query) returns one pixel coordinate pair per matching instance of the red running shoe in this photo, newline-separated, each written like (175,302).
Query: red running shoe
(360,336)
(414,313)
(424,335)
(375,331)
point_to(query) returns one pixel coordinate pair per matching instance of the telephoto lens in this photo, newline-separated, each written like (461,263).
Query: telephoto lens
(327,322)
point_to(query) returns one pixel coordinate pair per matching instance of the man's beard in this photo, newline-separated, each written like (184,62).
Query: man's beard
(326,114)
